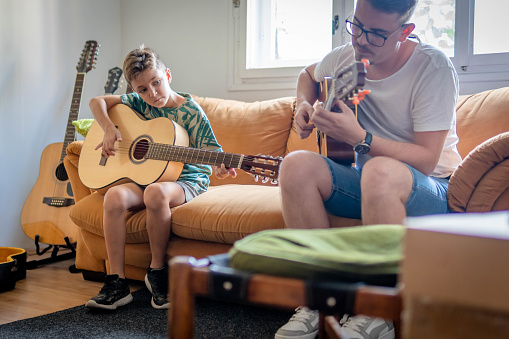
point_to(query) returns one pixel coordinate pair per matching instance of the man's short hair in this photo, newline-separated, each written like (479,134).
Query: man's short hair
(405,8)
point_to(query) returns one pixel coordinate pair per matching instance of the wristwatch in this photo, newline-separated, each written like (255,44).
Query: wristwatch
(363,146)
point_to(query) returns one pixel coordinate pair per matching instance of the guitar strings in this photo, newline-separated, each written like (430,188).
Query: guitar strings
(185,154)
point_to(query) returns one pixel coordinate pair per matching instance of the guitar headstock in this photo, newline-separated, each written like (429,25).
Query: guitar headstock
(260,166)
(114,75)
(88,56)
(347,83)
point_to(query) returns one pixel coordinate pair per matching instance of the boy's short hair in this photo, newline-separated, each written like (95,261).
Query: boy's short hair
(405,8)
(140,59)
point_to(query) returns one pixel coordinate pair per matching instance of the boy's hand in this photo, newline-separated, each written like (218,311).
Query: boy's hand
(222,172)
(108,143)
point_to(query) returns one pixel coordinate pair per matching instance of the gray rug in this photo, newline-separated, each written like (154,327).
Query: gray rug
(213,319)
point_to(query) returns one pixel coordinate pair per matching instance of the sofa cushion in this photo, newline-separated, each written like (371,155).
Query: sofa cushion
(228,213)
(481,116)
(260,127)
(480,183)
(224,214)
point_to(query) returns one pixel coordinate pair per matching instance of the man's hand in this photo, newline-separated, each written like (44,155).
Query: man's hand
(302,121)
(340,126)
(222,172)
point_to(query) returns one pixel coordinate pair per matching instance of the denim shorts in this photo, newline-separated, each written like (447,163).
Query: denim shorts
(428,194)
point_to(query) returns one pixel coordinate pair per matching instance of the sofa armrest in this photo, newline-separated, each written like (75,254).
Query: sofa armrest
(481,182)
(71,161)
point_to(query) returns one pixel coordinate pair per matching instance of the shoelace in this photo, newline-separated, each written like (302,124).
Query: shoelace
(302,315)
(355,323)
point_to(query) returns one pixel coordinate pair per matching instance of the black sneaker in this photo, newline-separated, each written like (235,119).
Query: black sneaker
(157,283)
(113,294)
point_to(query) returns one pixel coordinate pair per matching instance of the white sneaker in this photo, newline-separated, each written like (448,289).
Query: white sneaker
(362,327)
(302,325)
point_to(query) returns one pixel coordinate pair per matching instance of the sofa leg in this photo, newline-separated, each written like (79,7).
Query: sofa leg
(93,275)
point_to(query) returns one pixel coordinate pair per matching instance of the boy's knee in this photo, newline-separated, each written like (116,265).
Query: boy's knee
(114,200)
(154,195)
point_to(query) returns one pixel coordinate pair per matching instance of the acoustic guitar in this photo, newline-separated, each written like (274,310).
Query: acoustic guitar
(155,150)
(45,214)
(346,85)
(112,83)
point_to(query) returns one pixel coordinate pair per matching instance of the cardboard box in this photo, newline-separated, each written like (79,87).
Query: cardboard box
(455,276)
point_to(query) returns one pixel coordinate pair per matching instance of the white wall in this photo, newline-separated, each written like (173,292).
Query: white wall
(192,38)
(41,42)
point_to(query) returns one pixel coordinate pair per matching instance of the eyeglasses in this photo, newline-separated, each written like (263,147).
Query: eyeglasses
(373,38)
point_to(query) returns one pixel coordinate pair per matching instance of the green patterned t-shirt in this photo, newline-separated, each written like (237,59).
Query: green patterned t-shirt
(191,117)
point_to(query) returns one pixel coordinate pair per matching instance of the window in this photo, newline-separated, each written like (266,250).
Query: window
(272,43)
(287,33)
(274,40)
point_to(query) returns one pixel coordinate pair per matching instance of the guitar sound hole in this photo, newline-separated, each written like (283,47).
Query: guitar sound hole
(61,173)
(141,149)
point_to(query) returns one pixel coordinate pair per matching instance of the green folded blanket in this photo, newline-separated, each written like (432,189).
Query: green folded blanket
(370,254)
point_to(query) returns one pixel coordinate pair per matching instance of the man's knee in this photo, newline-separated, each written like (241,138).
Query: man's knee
(297,166)
(382,175)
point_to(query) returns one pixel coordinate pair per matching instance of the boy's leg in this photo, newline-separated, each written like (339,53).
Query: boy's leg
(115,291)
(117,201)
(159,198)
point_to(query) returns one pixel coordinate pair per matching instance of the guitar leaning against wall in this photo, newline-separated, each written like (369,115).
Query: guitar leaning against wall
(45,214)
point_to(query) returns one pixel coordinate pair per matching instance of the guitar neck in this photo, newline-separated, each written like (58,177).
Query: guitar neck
(70,134)
(188,155)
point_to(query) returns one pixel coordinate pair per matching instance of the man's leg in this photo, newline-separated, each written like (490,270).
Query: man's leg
(386,185)
(305,182)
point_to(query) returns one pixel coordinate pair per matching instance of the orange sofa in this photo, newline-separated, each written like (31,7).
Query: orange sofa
(234,208)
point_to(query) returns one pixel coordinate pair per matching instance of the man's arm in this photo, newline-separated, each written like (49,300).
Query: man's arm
(307,94)
(423,154)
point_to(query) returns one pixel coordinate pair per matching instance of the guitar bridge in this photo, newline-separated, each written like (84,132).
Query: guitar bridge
(58,202)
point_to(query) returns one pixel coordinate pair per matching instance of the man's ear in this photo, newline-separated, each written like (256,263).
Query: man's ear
(168,75)
(409,28)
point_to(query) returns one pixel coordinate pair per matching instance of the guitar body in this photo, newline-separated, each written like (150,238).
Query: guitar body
(46,210)
(97,172)
(338,151)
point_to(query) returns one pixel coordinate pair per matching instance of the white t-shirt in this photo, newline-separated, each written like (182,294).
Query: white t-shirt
(420,97)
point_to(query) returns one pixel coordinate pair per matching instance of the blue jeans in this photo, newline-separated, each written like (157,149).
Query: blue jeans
(428,194)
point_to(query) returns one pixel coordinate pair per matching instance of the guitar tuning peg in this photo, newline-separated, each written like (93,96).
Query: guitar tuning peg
(265,179)
(255,176)
(274,182)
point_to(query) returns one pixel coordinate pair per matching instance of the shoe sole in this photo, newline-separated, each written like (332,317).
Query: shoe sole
(121,302)
(304,336)
(389,335)
(154,305)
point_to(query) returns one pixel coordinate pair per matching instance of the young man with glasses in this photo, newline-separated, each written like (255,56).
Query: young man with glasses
(406,128)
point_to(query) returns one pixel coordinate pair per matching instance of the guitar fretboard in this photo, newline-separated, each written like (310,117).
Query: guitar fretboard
(70,134)
(191,155)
